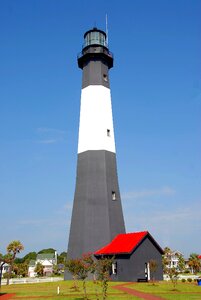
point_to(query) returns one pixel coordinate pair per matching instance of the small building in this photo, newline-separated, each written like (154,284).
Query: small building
(134,256)
(47,260)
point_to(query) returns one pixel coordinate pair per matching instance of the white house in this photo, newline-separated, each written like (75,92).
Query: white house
(31,269)
(173,259)
(48,260)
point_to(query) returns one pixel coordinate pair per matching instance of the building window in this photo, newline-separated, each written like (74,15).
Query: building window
(114,268)
(114,195)
(105,77)
(108,132)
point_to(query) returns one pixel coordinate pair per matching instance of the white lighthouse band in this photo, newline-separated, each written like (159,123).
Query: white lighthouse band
(96,130)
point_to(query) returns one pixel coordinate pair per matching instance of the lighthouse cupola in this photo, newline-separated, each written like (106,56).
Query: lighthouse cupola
(95,48)
(95,37)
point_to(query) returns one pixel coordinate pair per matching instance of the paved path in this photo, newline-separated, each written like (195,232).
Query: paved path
(142,295)
(6,296)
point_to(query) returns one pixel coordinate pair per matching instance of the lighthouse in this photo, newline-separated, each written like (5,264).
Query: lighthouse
(97,215)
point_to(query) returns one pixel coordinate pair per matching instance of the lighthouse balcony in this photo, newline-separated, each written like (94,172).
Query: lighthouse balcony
(95,49)
(94,52)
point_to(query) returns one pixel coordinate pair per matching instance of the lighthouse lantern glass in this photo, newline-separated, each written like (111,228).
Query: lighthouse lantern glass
(95,38)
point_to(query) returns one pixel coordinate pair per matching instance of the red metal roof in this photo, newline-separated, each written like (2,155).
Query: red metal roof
(122,243)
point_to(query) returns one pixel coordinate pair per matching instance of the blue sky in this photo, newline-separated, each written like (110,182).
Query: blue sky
(156,96)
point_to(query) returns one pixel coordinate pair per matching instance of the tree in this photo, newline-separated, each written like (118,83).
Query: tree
(48,250)
(173,274)
(56,270)
(93,271)
(62,258)
(39,269)
(13,249)
(103,268)
(181,263)
(21,269)
(166,259)
(84,268)
(29,256)
(18,260)
(194,262)
(4,259)
(72,266)
(153,265)
(80,269)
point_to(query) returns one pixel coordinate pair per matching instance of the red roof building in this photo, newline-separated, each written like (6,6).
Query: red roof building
(132,254)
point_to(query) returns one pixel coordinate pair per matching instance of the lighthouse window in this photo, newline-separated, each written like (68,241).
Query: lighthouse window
(95,38)
(114,195)
(105,77)
(108,132)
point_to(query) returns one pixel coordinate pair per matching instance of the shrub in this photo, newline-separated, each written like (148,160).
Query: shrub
(173,274)
(104,266)
(183,280)
(189,279)
(7,275)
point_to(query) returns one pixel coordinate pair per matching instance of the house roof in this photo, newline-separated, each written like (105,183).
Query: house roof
(199,256)
(123,243)
(176,252)
(32,263)
(46,263)
(44,256)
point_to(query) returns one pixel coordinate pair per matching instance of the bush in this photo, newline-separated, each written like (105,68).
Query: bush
(186,271)
(183,280)
(6,275)
(189,279)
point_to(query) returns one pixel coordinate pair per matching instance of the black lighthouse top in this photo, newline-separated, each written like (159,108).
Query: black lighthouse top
(95,48)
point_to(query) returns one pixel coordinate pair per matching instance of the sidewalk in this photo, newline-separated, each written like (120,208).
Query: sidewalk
(141,295)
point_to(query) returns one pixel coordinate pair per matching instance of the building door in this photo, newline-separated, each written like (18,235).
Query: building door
(147,271)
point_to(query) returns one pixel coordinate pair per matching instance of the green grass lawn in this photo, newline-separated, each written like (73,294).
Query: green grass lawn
(36,291)
(183,291)
(48,290)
